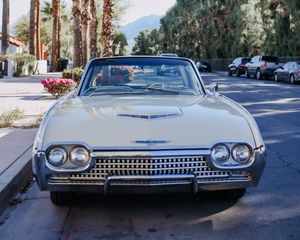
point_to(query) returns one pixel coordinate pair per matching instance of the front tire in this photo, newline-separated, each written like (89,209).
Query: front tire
(247,75)
(61,198)
(276,77)
(258,75)
(229,73)
(292,79)
(238,73)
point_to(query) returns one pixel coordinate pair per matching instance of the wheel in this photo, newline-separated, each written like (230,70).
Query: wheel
(233,194)
(247,75)
(292,79)
(229,73)
(276,77)
(238,73)
(61,198)
(258,74)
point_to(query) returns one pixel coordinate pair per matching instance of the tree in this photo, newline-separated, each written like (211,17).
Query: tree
(120,44)
(77,53)
(93,30)
(107,28)
(142,45)
(84,29)
(5,27)
(55,55)
(32,27)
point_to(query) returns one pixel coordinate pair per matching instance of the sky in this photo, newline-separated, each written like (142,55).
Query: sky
(137,9)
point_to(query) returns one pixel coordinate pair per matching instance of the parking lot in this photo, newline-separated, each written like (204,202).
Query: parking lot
(271,211)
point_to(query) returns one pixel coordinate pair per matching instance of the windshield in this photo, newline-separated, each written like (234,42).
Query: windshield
(151,76)
(270,59)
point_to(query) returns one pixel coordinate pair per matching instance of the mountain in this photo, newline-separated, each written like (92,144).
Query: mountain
(131,30)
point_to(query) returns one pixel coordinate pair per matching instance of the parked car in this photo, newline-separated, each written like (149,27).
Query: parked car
(203,66)
(238,65)
(262,67)
(288,72)
(125,132)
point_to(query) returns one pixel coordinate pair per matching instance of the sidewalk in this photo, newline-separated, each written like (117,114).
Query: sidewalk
(15,165)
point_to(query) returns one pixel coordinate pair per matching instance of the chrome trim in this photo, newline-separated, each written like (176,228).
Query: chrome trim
(149,153)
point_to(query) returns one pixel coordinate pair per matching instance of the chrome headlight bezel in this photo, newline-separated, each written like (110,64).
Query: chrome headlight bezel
(68,165)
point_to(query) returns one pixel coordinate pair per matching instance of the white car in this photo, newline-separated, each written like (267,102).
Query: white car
(127,131)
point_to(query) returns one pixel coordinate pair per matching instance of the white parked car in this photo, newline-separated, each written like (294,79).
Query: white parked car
(129,131)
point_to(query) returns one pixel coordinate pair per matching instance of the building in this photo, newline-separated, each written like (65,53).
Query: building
(15,45)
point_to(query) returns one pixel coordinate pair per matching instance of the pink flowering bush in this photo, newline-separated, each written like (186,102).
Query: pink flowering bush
(58,86)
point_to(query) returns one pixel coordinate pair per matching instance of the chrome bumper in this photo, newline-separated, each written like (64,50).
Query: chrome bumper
(149,171)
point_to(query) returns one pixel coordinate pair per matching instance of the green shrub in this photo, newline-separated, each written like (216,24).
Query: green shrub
(75,74)
(23,61)
(7,118)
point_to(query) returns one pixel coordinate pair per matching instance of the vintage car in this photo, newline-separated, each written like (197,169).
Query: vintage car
(127,131)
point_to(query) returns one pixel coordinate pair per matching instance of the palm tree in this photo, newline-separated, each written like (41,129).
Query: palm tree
(93,30)
(5,27)
(107,28)
(84,29)
(77,54)
(32,27)
(38,31)
(55,55)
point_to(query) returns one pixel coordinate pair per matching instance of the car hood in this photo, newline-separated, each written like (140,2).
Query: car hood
(145,122)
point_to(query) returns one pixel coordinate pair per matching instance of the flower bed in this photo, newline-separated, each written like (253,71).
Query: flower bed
(58,86)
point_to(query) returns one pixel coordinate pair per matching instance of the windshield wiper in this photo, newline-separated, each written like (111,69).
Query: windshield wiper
(167,90)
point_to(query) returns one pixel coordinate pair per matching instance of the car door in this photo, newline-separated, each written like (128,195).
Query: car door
(286,72)
(253,63)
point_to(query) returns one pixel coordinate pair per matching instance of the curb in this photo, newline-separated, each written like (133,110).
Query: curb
(14,178)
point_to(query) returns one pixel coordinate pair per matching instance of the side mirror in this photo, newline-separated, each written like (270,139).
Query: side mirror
(213,87)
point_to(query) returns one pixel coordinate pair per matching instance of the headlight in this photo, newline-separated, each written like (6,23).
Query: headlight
(241,153)
(57,156)
(220,153)
(80,156)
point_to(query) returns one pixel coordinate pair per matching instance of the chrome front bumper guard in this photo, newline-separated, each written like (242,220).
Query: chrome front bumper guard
(110,180)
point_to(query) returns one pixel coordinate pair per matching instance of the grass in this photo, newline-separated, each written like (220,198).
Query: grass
(7,118)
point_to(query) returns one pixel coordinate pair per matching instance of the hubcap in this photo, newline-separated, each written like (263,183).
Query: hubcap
(292,79)
(258,75)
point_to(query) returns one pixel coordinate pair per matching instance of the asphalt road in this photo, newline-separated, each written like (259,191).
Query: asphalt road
(271,211)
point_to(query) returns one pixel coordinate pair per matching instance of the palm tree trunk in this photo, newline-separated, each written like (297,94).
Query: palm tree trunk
(5,27)
(55,55)
(84,25)
(77,53)
(32,27)
(93,30)
(38,30)
(107,28)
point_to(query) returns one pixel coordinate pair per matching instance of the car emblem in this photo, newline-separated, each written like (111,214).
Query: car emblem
(152,142)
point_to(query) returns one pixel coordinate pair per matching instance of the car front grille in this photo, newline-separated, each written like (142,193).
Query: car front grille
(149,167)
